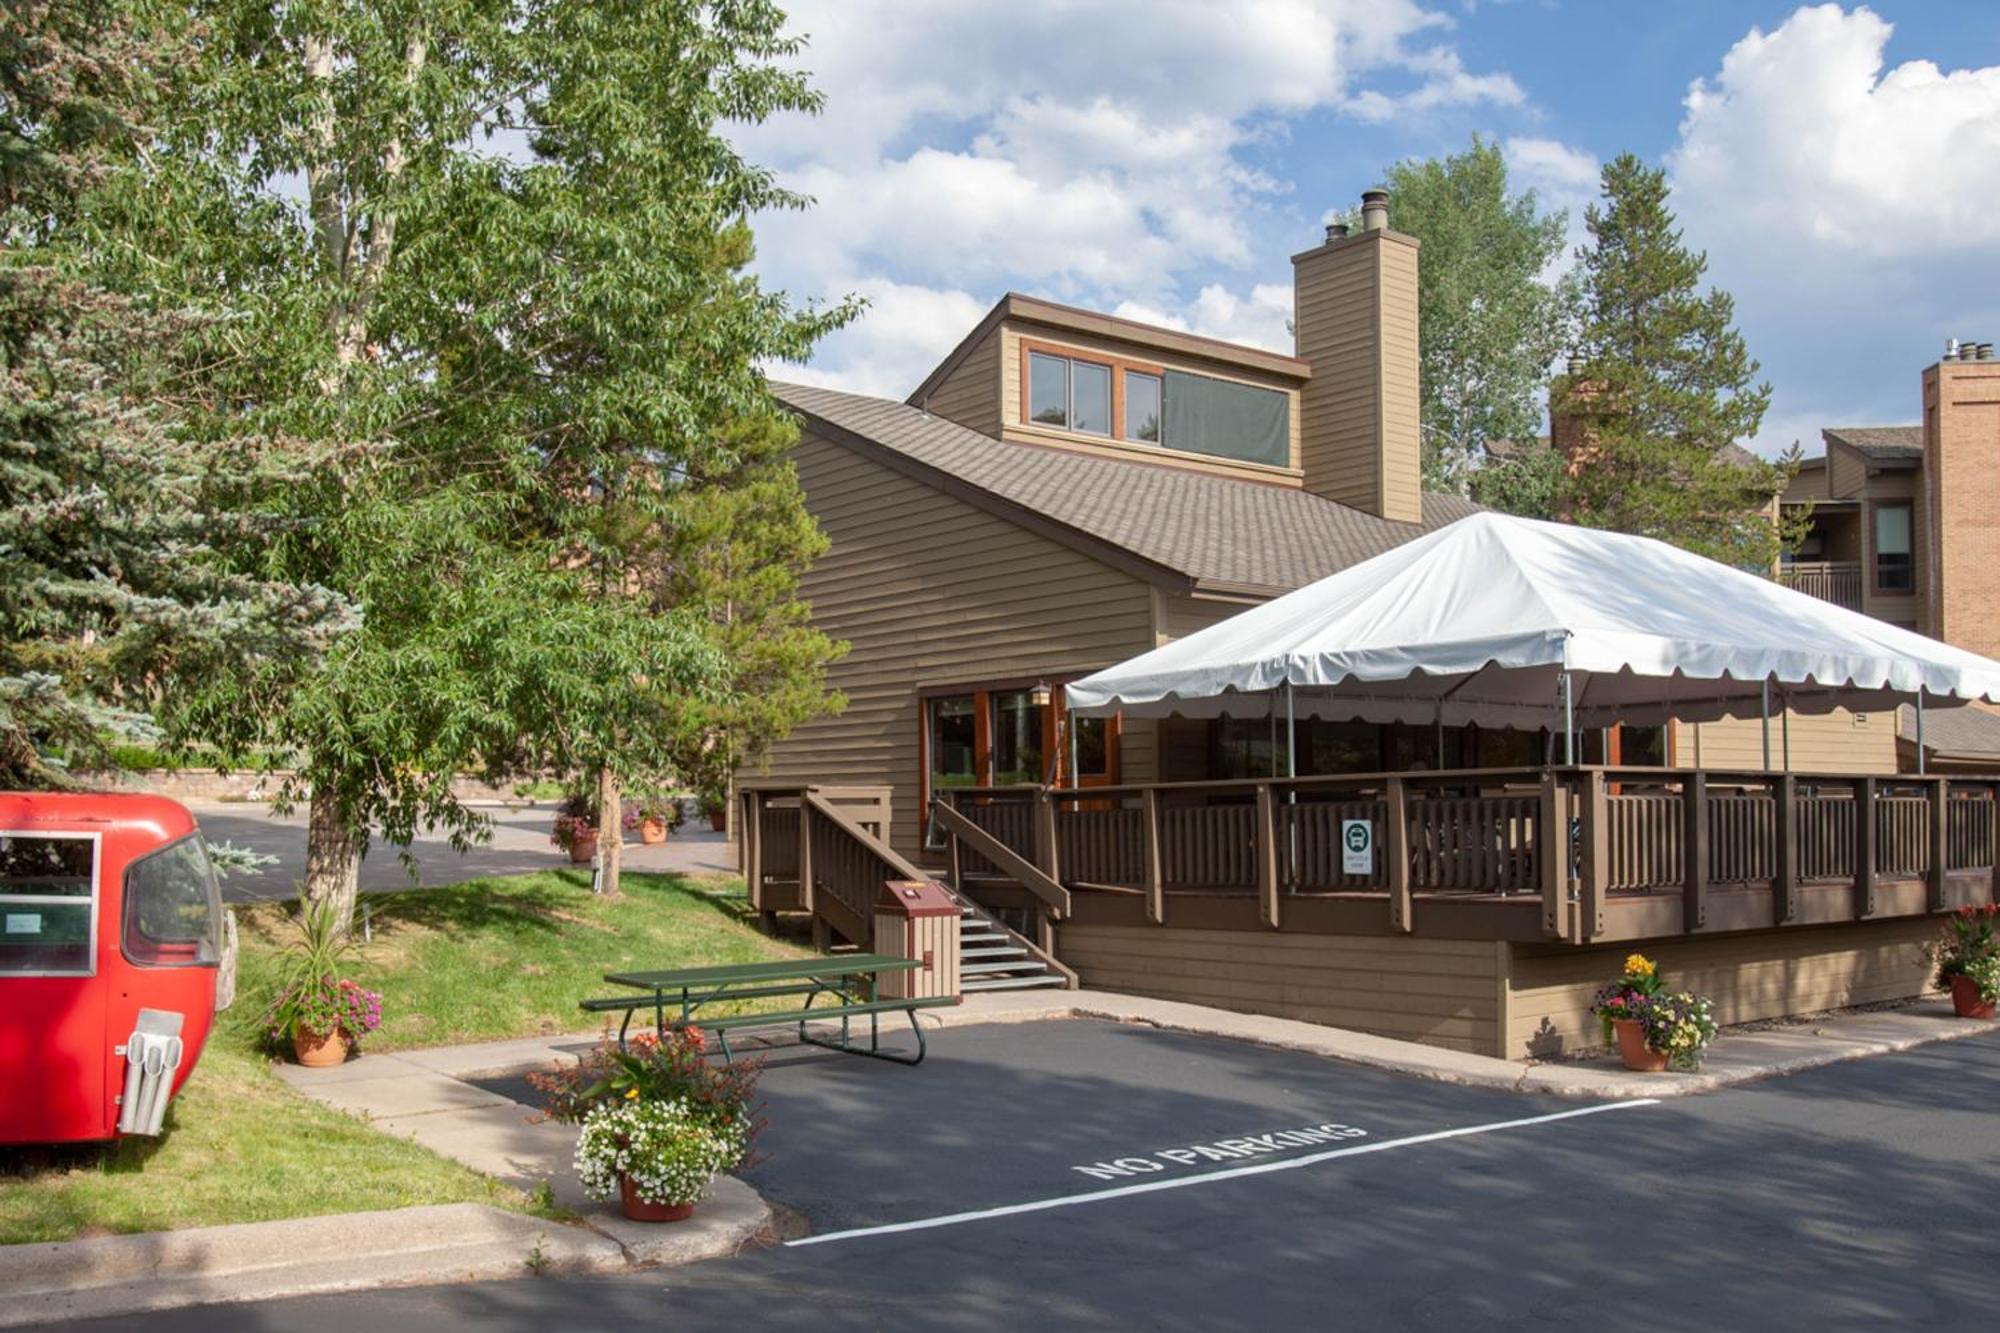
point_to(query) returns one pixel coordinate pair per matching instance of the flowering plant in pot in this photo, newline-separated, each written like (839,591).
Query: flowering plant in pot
(715,805)
(652,816)
(1652,1027)
(575,828)
(1967,960)
(659,1121)
(320,1014)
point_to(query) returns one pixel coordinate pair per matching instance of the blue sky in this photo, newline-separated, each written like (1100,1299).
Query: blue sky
(1164,158)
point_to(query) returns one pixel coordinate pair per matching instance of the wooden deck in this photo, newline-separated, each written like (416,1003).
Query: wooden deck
(1584,855)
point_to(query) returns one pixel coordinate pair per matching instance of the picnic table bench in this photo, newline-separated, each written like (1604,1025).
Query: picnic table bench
(848,981)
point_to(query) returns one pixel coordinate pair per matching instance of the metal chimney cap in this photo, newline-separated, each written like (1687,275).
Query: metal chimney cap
(1375,209)
(1336,231)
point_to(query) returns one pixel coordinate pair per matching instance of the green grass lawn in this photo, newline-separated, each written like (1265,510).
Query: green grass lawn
(492,958)
(512,956)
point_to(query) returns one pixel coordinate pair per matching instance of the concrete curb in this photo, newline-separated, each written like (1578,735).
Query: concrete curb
(405,1247)
(258,1261)
(1738,1058)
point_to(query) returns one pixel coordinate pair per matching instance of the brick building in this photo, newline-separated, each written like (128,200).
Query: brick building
(1906,527)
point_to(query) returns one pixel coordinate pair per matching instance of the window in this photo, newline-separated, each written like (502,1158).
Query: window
(1073,395)
(1225,419)
(1895,569)
(954,743)
(1048,390)
(48,904)
(1089,398)
(1018,748)
(173,909)
(1093,748)
(1142,407)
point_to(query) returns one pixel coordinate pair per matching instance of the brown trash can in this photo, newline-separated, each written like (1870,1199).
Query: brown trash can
(918,919)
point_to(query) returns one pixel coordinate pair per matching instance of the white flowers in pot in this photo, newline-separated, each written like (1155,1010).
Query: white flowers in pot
(664,1152)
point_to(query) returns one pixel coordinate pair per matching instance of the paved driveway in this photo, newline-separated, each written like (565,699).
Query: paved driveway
(1086,1175)
(520,843)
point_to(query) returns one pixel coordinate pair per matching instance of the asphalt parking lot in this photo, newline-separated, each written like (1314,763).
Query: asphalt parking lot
(1088,1175)
(519,843)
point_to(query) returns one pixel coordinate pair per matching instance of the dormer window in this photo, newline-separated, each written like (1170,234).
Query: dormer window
(1142,407)
(1069,394)
(1125,402)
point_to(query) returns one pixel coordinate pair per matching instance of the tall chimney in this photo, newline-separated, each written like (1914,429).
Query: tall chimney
(1959,585)
(1355,319)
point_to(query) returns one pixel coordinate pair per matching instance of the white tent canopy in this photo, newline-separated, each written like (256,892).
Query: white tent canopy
(1486,620)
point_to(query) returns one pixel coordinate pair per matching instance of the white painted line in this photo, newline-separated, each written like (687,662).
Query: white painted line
(1210,1177)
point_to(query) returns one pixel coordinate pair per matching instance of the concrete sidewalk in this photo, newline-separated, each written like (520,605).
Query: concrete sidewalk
(1736,1057)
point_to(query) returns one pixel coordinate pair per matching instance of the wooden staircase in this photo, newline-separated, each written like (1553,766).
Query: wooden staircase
(825,851)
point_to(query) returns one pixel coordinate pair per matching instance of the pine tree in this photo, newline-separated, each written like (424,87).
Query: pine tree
(1659,390)
(115,597)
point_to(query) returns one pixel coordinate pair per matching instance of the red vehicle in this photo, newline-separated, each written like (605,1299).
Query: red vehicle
(111,952)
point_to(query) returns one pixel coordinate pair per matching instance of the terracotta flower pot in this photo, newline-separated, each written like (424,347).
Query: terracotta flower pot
(1632,1048)
(639,1210)
(718,820)
(583,847)
(319,1052)
(652,832)
(1965,1001)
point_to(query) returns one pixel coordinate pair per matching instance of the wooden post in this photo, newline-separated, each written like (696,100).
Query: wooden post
(1864,848)
(1785,824)
(1155,886)
(1993,846)
(805,851)
(1596,813)
(1940,843)
(1694,851)
(1267,854)
(1552,850)
(1396,846)
(955,863)
(753,845)
(1045,835)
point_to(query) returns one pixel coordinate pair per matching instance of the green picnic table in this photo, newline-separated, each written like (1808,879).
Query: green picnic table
(848,982)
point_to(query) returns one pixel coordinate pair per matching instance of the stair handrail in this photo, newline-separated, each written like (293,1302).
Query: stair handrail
(1004,858)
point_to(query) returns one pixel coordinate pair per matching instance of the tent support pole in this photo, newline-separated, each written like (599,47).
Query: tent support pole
(1785,723)
(1291,735)
(1069,724)
(1920,731)
(1569,720)
(1765,698)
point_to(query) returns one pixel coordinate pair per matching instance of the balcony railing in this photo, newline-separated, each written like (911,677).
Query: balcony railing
(1836,581)
(1576,854)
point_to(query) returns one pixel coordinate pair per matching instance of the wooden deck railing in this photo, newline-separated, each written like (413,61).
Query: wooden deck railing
(1663,847)
(1836,581)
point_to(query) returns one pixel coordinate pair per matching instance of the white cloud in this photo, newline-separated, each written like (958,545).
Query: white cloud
(1802,135)
(899,338)
(1848,207)
(1554,168)
(1261,320)
(1094,154)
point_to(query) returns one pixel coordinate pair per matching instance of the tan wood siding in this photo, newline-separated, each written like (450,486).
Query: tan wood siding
(1836,742)
(1402,396)
(931,591)
(1336,304)
(1442,992)
(1764,974)
(970,395)
(1846,472)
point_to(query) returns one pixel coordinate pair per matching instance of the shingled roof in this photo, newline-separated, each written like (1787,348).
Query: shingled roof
(1222,534)
(1880,444)
(1965,732)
